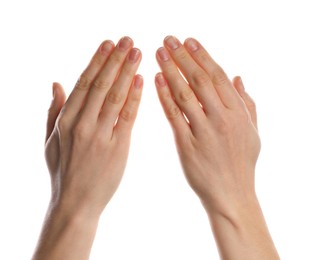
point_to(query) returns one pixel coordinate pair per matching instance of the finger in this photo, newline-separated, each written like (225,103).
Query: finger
(172,111)
(238,84)
(218,77)
(105,79)
(197,78)
(182,93)
(76,99)
(129,111)
(116,97)
(55,108)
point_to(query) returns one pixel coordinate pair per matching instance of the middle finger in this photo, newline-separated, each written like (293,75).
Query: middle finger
(105,79)
(197,78)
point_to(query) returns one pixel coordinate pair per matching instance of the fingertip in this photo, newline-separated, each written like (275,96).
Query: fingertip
(235,79)
(56,86)
(167,37)
(128,38)
(106,47)
(238,84)
(159,74)
(241,83)
(162,55)
(160,80)
(192,44)
(125,43)
(138,81)
(58,93)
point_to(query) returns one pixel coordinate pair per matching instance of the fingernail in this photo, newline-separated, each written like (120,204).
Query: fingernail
(134,55)
(171,42)
(162,54)
(124,43)
(138,82)
(160,80)
(106,47)
(192,44)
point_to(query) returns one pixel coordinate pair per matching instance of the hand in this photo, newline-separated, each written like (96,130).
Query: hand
(215,127)
(88,137)
(217,142)
(87,145)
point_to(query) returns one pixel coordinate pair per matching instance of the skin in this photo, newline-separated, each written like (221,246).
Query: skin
(86,149)
(218,145)
(215,127)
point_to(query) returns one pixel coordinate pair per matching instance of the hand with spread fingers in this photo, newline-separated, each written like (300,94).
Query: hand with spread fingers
(215,127)
(87,145)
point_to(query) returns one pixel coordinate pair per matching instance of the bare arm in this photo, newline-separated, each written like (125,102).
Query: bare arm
(87,147)
(218,145)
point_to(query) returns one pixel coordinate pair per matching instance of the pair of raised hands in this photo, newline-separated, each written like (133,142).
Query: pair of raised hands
(215,128)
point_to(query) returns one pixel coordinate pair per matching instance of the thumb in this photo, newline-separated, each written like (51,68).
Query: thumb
(57,103)
(237,82)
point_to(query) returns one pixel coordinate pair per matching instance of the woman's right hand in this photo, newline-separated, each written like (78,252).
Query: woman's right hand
(214,122)
(215,127)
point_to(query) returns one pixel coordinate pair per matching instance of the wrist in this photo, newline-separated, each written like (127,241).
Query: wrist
(234,209)
(76,214)
(75,206)
(241,232)
(67,234)
(237,214)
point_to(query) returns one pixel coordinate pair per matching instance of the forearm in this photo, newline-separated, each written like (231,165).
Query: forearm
(242,233)
(66,235)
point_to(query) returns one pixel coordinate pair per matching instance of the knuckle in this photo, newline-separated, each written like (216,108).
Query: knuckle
(185,95)
(98,60)
(100,141)
(80,131)
(128,115)
(83,82)
(200,79)
(182,56)
(172,112)
(135,99)
(128,70)
(223,128)
(223,125)
(115,98)
(174,80)
(220,77)
(101,84)
(166,95)
(204,57)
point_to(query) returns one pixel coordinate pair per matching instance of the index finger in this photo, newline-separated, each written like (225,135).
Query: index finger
(105,79)
(75,101)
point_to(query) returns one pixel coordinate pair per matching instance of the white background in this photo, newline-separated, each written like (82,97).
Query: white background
(154,214)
